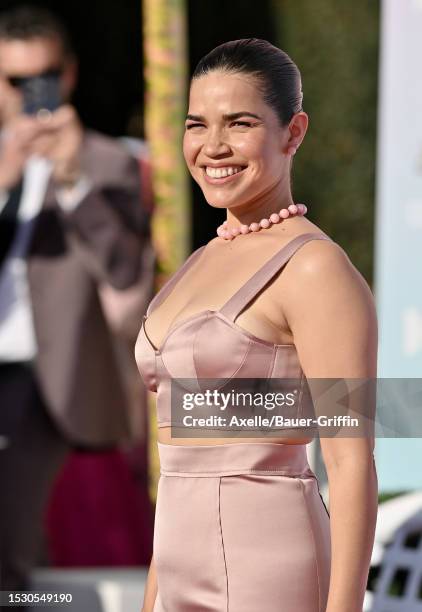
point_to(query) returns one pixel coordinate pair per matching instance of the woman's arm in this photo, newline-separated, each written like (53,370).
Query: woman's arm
(150,593)
(353,508)
(331,313)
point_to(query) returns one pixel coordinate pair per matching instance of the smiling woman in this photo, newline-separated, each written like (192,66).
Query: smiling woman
(241,526)
(236,128)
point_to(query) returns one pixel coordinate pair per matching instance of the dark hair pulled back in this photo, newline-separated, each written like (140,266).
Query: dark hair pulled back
(279,77)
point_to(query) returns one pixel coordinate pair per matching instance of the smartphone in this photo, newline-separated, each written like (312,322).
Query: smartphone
(40,92)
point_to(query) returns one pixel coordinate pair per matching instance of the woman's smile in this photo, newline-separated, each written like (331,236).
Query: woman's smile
(220,175)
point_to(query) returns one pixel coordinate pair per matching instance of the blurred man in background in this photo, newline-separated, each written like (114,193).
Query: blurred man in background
(70,221)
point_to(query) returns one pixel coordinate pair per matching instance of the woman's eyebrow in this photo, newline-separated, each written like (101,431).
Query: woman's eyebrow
(227,117)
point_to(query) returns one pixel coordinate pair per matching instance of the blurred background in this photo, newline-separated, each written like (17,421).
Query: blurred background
(360,174)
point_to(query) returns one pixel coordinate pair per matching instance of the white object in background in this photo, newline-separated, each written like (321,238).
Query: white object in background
(93,589)
(397,556)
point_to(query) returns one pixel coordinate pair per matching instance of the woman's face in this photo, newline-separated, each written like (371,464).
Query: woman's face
(234,145)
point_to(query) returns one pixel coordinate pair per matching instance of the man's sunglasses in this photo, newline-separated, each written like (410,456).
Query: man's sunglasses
(18,81)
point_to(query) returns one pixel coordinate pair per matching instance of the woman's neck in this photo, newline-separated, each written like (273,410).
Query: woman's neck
(261,208)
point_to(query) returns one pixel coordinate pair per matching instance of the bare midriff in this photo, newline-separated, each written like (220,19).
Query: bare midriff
(164,437)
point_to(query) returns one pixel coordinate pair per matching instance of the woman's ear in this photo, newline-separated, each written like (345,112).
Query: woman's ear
(297,129)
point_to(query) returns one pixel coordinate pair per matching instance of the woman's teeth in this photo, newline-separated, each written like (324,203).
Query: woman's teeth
(222,172)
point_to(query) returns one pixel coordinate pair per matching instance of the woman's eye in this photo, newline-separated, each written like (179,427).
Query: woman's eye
(189,126)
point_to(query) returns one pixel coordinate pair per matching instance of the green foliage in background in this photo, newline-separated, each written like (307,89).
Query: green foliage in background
(383,497)
(335,45)
(165,71)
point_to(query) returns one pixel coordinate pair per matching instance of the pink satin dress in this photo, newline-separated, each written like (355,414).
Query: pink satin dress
(239,527)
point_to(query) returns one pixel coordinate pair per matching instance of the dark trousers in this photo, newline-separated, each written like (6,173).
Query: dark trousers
(32,451)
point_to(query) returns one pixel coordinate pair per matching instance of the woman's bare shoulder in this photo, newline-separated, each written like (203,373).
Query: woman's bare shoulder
(328,303)
(322,261)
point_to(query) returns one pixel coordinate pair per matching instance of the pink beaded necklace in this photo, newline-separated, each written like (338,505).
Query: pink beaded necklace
(229,234)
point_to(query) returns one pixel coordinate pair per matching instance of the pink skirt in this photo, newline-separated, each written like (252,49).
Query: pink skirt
(240,528)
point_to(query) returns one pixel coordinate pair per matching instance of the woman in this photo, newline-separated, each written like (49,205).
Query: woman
(241,526)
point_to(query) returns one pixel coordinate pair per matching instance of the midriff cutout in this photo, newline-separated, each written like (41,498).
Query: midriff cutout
(164,436)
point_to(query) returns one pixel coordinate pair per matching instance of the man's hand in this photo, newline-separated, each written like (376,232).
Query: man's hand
(56,136)
(10,102)
(60,141)
(17,138)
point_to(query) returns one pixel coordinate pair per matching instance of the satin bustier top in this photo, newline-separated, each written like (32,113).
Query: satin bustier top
(210,345)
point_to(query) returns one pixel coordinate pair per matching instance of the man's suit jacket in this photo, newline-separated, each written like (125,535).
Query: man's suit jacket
(71,254)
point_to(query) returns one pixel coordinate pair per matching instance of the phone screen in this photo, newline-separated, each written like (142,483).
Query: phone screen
(40,92)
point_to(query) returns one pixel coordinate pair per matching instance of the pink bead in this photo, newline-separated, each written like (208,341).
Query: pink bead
(228,234)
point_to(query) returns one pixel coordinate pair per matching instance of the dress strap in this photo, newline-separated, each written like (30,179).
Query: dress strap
(169,284)
(233,307)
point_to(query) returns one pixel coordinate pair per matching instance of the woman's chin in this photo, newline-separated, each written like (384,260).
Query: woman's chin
(222,200)
(221,203)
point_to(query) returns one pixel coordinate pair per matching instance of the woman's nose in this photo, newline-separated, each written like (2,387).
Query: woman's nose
(215,144)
